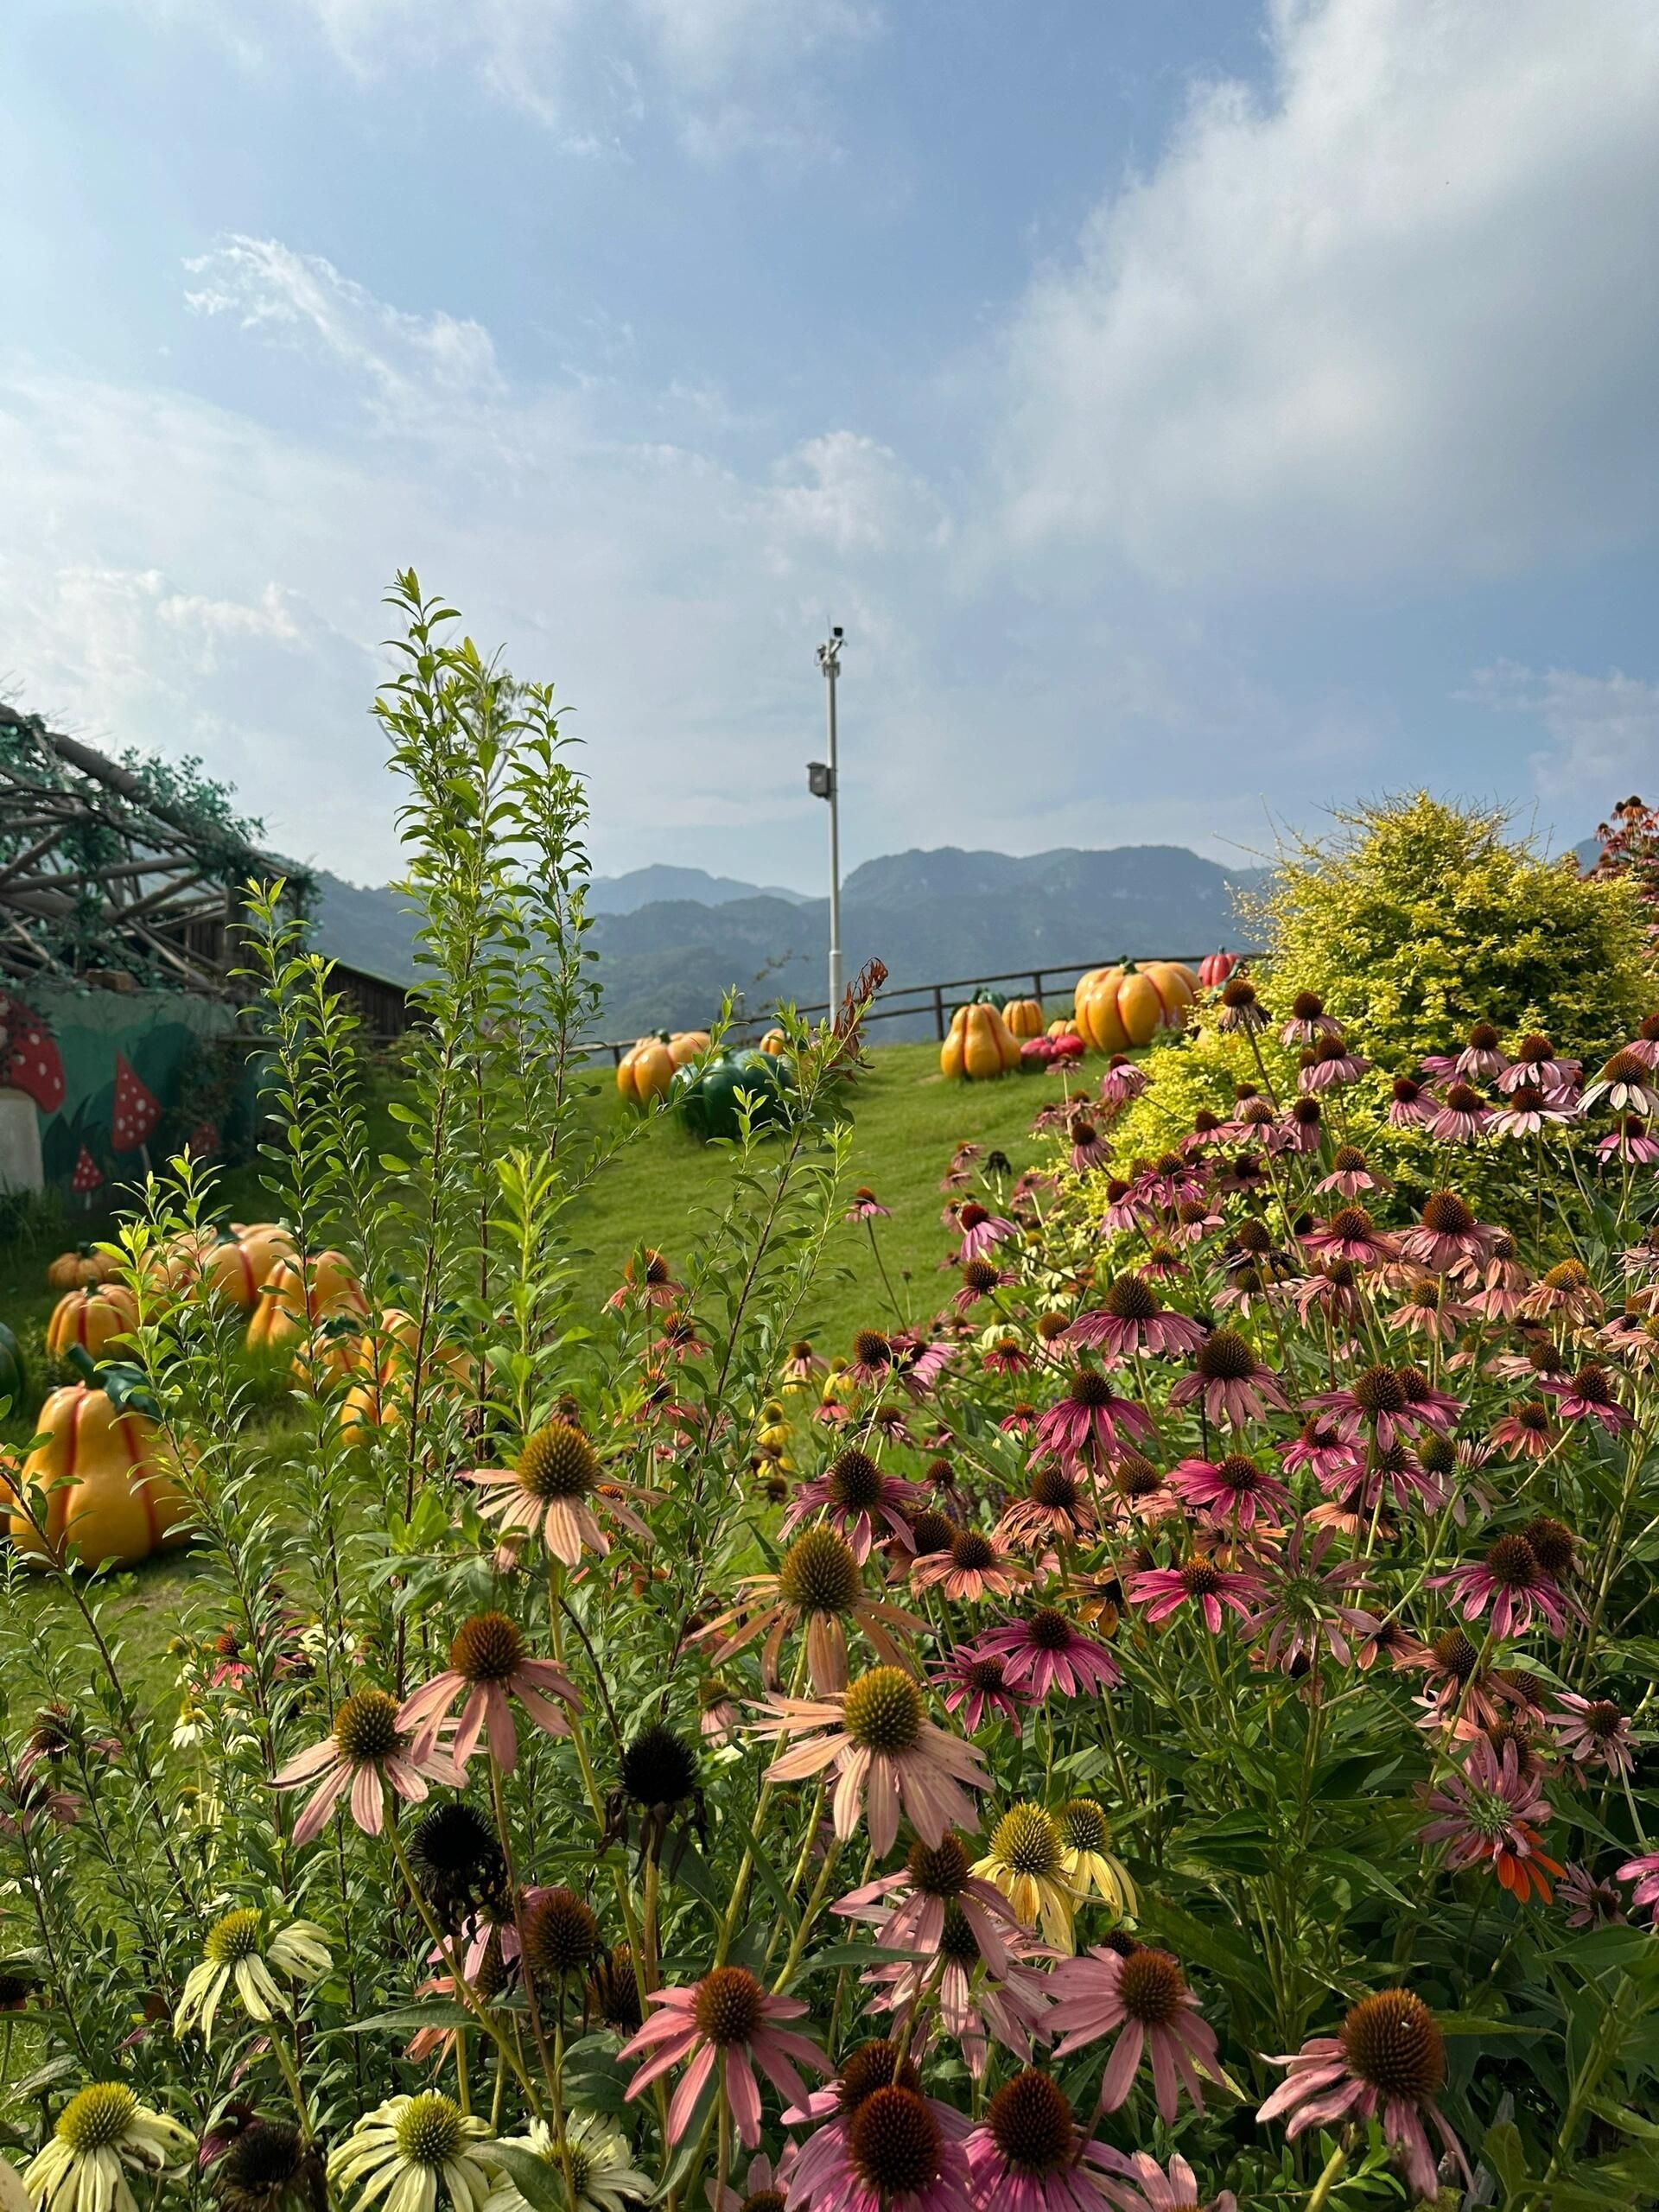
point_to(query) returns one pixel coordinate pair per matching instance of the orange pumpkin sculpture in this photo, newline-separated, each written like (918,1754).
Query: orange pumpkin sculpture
(645,1071)
(292,1301)
(375,1398)
(1024,1017)
(108,1495)
(71,1270)
(774,1043)
(91,1318)
(1120,1008)
(979,1045)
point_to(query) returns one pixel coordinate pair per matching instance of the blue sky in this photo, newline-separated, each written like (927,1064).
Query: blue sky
(1198,416)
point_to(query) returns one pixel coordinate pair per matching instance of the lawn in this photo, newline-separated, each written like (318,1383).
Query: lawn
(906,1120)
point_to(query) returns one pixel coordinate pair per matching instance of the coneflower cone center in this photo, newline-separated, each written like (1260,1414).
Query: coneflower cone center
(1350,1160)
(1512,1563)
(1131,1297)
(982,1274)
(488,1648)
(1351,1224)
(1200,1579)
(365,1727)
(1030,2124)
(1446,1215)
(1084,1825)
(819,1573)
(264,2157)
(430,2131)
(658,1769)
(1091,1391)
(1239,1473)
(1051,1486)
(1392,2043)
(931,1532)
(235,1937)
(1050,1630)
(875,2065)
(895,2144)
(871,1348)
(561,1934)
(97,2117)
(855,1481)
(938,1869)
(884,1710)
(1454,1654)
(1566,1274)
(989,1674)
(1553,1544)
(957,1939)
(1152,1986)
(729,2006)
(557,1461)
(972,1550)
(1225,1356)
(1025,1841)
(1379,1390)
(1602,1718)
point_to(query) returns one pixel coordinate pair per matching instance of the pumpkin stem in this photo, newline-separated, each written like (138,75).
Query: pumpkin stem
(80,1359)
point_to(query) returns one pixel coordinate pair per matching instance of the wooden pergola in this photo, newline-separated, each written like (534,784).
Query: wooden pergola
(103,880)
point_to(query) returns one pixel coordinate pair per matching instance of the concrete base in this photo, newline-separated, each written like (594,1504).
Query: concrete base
(20,1143)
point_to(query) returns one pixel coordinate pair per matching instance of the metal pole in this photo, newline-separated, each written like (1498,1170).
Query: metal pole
(830,662)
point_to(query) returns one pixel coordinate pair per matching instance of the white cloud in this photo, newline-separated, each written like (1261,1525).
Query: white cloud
(1603,730)
(1395,314)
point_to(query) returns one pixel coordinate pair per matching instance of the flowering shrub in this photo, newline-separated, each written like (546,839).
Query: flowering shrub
(1170,1727)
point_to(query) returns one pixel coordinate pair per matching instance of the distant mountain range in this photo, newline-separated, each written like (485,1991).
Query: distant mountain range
(671,940)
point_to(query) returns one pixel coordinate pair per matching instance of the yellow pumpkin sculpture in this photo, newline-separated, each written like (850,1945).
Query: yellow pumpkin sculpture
(1024,1017)
(979,1046)
(291,1303)
(264,1242)
(774,1043)
(103,1470)
(1119,1010)
(380,1387)
(91,1318)
(686,1044)
(645,1071)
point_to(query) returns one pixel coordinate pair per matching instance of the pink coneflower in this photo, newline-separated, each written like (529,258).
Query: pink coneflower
(1043,1652)
(1529,1114)
(1537,1067)
(974,1686)
(1490,1811)
(1019,1419)
(725,2025)
(979,1279)
(1329,1065)
(957,1173)
(763,2187)
(1586,1901)
(907,1909)
(1006,1356)
(1349,1234)
(1387,2063)
(1156,2189)
(1323,1447)
(1391,1640)
(1163,1263)
(1029,2155)
(1350,1175)
(1527,1430)
(1374,1404)
(1306,1605)
(1593,1733)
(1410,1105)
(1511,1580)
(1229,1380)
(646,1281)
(975,1566)
(1233,1489)
(1462,1118)
(1144,2002)
(803,1367)
(1084,1425)
(915,1363)
(1430,1310)
(1564,1289)
(488,1667)
(854,1496)
(1241,1013)
(883,1748)
(1626,1083)
(1200,1582)
(1122,1081)
(1644,1873)
(1134,1318)
(981,1231)
(1588,1395)
(1088,1150)
(867,1206)
(1301,1130)
(366,1751)
(1632,1143)
(1195,1220)
(975,2006)
(1308,1020)
(1448,1231)
(1170,1181)
(555,1489)
(1429,1406)
(1054,1510)
(1503,1281)
(872,1360)
(883,2146)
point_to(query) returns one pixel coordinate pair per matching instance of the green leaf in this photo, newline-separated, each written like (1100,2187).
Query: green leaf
(538,2181)
(1502,2149)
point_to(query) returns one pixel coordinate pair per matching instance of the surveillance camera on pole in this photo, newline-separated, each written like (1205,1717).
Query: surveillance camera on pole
(823,782)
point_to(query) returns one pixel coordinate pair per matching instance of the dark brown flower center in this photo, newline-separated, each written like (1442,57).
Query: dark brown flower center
(365,1728)
(938,1869)
(873,2066)
(1602,1718)
(894,2145)
(728,2007)
(1091,1390)
(931,1532)
(981,1276)
(1350,1160)
(1239,1473)
(1594,1385)
(987,1675)
(1352,1224)
(488,1648)
(1532,1415)
(1378,1390)
(1238,991)
(1152,1986)
(871,1349)
(1623,1067)
(1306,1006)
(853,1481)
(1392,2043)
(971,1550)
(972,1215)
(1030,2124)
(658,1769)
(1454,1654)
(1131,1297)
(1052,1487)
(1200,1579)
(1512,1563)
(1050,1630)
(1568,1274)
(1135,1477)
(1225,1356)
(1483,1038)
(819,1573)
(1448,1216)
(1252,1236)
(561,1936)
(1553,1544)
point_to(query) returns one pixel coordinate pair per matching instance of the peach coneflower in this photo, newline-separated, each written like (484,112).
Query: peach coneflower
(646,1281)
(555,1489)
(1053,1509)
(817,1581)
(1626,1083)
(886,1754)
(489,1666)
(365,1752)
(975,1566)
(1446,1232)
